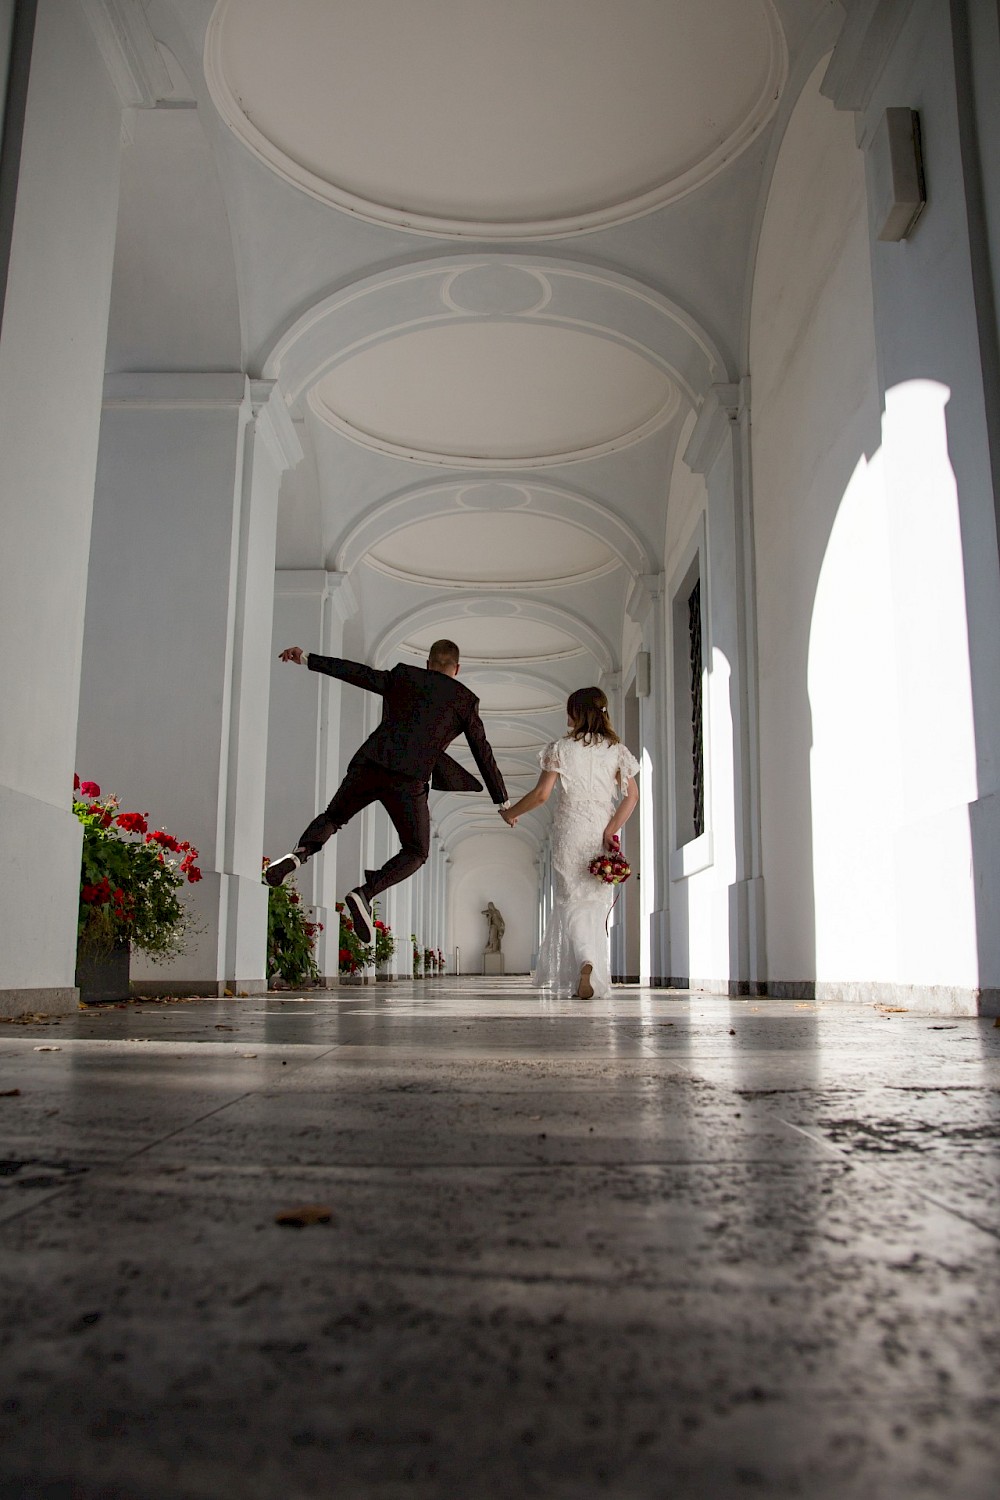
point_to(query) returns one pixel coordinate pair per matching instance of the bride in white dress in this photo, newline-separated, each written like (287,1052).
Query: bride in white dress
(592,768)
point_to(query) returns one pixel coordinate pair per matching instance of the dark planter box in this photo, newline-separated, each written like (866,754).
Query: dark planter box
(103,978)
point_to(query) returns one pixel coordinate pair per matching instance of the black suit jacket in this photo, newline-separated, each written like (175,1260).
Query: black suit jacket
(422,712)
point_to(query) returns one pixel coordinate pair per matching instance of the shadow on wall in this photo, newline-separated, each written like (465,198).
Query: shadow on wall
(499,868)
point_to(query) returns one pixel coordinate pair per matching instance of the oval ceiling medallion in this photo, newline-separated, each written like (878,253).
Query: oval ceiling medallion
(496,117)
(495,395)
(501,639)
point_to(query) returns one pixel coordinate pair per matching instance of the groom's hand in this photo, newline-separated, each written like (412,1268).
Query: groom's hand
(295,654)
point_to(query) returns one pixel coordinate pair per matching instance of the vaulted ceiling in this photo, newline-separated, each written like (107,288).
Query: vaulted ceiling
(494,252)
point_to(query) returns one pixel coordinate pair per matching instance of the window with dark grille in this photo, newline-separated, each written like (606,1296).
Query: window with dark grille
(697,748)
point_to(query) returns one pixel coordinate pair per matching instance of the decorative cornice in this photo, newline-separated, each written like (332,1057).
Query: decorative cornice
(719,411)
(868,36)
(129,50)
(300,582)
(180,389)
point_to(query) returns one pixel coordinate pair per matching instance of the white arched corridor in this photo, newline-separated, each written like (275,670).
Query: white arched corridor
(649,345)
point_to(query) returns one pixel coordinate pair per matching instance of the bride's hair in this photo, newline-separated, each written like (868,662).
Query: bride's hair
(588,710)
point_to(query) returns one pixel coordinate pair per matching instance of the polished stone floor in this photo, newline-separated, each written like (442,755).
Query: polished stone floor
(667,1246)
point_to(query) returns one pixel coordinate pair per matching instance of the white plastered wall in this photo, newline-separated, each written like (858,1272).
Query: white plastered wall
(867,747)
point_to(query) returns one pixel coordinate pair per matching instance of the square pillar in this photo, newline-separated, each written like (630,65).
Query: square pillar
(52,342)
(176,678)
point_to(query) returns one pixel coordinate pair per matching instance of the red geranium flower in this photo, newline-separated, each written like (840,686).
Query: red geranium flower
(76,782)
(132,822)
(194,875)
(90,789)
(165,841)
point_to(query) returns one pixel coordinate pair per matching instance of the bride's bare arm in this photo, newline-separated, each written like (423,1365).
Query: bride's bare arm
(623,812)
(539,793)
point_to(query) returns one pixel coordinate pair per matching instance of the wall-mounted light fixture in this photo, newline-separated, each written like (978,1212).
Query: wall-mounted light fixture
(898,193)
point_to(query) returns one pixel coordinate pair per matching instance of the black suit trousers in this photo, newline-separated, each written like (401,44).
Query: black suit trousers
(404,800)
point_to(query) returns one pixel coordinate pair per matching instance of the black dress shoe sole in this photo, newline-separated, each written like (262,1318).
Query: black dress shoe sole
(361,916)
(279,871)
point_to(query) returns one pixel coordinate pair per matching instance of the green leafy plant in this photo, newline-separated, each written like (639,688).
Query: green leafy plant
(385,943)
(354,954)
(417,955)
(291,936)
(129,882)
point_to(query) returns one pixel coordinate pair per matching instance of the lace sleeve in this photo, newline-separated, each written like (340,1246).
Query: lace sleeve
(627,764)
(549,758)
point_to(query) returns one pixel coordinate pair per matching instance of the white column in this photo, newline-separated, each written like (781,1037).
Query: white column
(716,450)
(182,569)
(52,342)
(647,607)
(303,756)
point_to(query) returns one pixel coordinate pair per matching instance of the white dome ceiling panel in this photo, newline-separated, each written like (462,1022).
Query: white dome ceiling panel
(514,695)
(472,549)
(496,393)
(494,633)
(495,291)
(588,538)
(575,113)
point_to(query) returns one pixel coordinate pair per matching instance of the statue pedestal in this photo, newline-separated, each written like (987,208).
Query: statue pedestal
(492,963)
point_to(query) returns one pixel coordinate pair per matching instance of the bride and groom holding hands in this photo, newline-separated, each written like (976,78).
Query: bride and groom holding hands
(423,710)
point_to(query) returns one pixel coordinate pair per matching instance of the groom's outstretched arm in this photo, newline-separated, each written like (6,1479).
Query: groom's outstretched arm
(354,672)
(483,755)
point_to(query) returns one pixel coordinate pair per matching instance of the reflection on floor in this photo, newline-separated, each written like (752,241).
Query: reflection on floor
(667,1245)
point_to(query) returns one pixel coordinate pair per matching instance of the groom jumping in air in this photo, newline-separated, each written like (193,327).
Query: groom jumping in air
(423,710)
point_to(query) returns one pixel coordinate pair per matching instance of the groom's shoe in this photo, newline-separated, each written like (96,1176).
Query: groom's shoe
(279,869)
(359,906)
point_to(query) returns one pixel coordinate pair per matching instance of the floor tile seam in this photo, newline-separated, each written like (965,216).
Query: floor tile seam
(872,1168)
(106,1167)
(407,1168)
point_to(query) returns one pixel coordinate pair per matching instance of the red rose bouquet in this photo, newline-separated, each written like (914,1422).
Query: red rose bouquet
(611,866)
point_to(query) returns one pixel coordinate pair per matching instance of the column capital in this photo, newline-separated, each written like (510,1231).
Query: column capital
(340,594)
(646,590)
(720,411)
(273,422)
(866,38)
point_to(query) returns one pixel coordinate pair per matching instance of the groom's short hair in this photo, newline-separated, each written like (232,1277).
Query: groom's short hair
(443,654)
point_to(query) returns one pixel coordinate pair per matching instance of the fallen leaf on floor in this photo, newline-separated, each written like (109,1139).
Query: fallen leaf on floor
(243,994)
(942,1028)
(248,1054)
(9,1093)
(47,1048)
(309,1213)
(731,1032)
(220,1027)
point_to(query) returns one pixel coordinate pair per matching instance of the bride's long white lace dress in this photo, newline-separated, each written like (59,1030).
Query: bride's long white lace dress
(576,933)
